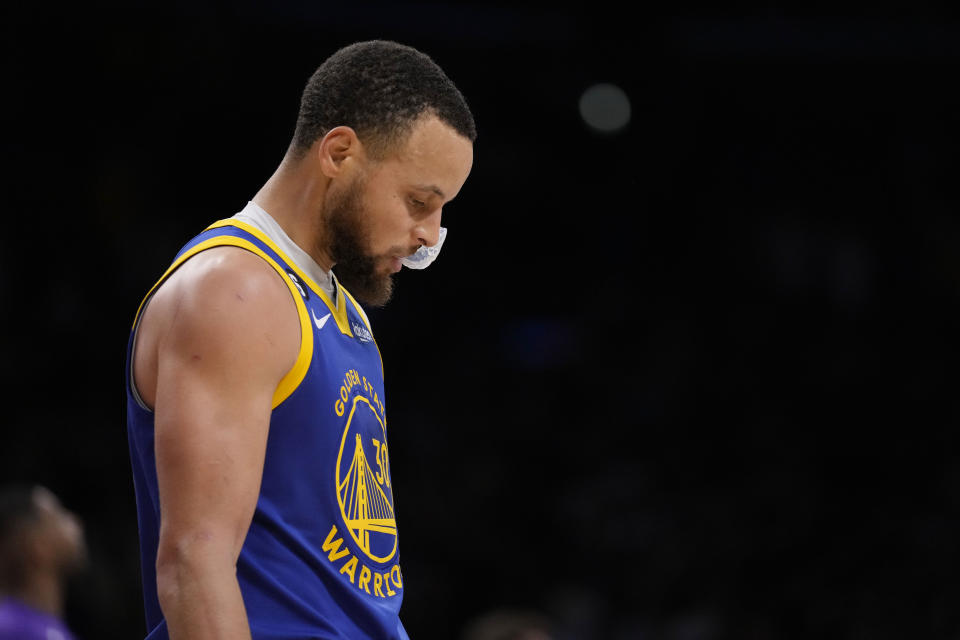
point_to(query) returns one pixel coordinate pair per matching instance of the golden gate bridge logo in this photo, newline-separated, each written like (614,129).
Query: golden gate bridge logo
(365,495)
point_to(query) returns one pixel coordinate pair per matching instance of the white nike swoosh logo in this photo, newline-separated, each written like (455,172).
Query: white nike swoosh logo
(319,321)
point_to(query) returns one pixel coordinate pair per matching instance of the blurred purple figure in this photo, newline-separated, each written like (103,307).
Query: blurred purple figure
(41,544)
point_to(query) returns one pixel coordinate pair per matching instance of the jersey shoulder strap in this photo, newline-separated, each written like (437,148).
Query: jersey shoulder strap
(225,234)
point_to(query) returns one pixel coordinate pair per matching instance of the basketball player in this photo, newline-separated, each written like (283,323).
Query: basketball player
(41,544)
(256,409)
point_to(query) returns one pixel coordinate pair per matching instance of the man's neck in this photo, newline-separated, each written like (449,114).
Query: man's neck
(293,196)
(43,592)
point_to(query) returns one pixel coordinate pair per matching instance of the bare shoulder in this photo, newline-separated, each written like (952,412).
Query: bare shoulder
(223,308)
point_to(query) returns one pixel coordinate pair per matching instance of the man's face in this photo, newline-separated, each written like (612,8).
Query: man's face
(393,206)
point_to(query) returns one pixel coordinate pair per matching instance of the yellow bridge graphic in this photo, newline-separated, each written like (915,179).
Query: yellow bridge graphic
(366,507)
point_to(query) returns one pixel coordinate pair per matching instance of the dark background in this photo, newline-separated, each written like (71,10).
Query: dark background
(693,380)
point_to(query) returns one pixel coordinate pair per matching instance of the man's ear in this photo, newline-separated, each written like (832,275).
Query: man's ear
(339,149)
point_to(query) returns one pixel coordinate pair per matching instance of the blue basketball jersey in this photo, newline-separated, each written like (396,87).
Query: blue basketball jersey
(320,559)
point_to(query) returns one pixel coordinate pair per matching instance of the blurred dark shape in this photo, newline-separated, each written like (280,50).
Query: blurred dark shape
(509,624)
(41,546)
(541,343)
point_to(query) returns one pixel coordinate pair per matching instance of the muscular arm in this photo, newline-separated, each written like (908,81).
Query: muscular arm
(224,329)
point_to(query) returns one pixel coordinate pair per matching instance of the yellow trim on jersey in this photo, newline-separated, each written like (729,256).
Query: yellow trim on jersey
(366,321)
(289,383)
(360,311)
(338,311)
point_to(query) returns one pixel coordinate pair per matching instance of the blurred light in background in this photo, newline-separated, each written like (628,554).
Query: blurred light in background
(605,108)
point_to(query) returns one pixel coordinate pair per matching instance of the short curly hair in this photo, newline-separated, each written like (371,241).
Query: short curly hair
(380,89)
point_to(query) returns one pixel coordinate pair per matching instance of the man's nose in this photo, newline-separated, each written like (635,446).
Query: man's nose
(428,230)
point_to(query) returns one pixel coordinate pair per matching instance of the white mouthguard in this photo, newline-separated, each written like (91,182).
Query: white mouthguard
(425,256)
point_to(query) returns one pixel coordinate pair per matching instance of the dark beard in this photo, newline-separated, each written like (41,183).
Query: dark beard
(348,235)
